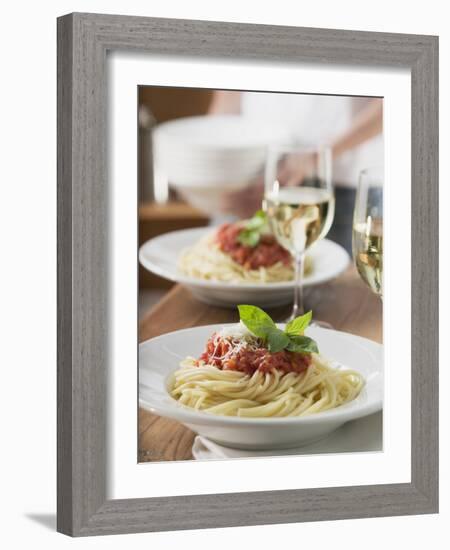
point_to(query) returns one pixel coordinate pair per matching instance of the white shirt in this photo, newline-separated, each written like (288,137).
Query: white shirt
(318,119)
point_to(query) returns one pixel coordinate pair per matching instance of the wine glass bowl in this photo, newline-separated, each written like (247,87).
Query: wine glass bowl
(368,229)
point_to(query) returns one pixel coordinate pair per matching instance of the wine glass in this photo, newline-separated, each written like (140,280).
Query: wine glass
(368,229)
(299,202)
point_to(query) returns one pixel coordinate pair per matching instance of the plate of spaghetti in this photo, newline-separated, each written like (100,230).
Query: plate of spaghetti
(238,262)
(259,385)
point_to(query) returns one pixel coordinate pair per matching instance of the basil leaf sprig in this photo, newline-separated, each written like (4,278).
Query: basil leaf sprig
(251,233)
(292,338)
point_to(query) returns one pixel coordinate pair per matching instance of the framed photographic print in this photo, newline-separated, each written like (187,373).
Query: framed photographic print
(247,274)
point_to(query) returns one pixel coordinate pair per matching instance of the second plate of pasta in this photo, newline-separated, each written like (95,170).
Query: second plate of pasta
(187,257)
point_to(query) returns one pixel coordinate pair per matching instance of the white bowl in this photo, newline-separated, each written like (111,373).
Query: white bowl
(218,133)
(161,254)
(206,156)
(160,357)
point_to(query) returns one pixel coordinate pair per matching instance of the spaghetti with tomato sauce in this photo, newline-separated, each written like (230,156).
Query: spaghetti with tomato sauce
(223,354)
(236,375)
(221,256)
(265,254)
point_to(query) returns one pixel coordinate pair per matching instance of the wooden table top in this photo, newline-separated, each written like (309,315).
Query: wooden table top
(345,302)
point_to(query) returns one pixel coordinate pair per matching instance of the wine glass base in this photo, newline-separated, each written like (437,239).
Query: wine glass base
(321,324)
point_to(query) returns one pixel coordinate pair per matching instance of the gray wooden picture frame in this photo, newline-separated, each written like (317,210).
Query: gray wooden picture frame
(83,42)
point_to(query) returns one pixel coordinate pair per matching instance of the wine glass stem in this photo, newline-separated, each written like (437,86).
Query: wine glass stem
(298,287)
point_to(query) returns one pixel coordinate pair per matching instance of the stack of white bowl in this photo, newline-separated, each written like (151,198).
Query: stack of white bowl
(205,156)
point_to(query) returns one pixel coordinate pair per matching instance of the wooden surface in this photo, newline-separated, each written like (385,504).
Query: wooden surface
(346,303)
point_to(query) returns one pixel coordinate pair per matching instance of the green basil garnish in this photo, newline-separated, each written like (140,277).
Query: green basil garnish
(251,233)
(292,338)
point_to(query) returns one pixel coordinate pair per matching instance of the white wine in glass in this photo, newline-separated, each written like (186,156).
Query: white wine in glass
(299,202)
(299,216)
(368,229)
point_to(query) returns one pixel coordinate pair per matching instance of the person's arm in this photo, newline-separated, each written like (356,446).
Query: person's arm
(225,102)
(367,124)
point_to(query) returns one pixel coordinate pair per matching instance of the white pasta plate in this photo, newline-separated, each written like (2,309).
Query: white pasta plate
(161,254)
(159,358)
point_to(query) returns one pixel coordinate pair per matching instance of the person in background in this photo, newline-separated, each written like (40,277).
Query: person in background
(352,126)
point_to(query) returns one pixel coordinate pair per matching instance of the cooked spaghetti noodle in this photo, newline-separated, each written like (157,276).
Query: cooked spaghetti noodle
(205,260)
(283,383)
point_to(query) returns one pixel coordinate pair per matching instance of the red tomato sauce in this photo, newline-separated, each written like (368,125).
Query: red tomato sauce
(221,355)
(265,254)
